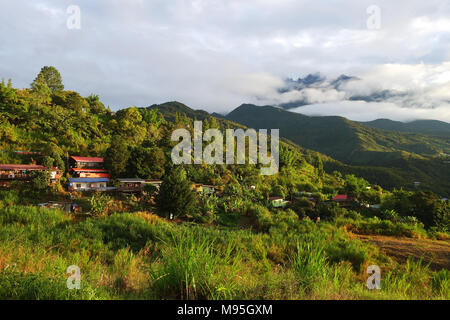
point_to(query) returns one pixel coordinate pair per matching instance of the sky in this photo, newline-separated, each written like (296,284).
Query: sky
(216,55)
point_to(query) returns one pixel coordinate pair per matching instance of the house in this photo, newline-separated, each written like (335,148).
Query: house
(278,202)
(87,167)
(343,200)
(88,173)
(88,184)
(86,162)
(131,184)
(10,172)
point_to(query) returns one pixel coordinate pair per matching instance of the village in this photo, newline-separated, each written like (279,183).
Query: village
(88,174)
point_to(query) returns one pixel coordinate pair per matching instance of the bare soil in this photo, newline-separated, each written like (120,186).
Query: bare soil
(435,252)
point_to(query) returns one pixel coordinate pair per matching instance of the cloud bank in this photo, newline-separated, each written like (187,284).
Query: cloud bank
(215,55)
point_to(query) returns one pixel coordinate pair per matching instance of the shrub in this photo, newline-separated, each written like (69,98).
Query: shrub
(345,250)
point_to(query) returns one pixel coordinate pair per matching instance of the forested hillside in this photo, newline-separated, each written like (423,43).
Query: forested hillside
(389,158)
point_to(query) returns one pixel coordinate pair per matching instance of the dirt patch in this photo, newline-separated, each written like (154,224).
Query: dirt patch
(435,252)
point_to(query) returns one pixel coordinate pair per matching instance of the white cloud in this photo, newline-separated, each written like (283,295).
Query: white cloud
(218,54)
(367,111)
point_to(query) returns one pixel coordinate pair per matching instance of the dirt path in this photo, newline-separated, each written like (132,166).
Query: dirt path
(435,251)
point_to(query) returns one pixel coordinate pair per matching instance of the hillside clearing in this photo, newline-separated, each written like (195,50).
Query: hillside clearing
(435,252)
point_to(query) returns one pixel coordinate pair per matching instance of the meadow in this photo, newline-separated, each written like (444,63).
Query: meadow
(140,255)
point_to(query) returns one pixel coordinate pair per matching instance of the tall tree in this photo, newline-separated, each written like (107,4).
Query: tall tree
(175,195)
(116,157)
(51,77)
(146,163)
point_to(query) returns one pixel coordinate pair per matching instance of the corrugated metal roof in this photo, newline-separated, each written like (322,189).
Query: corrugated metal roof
(88,180)
(87,159)
(88,170)
(275,198)
(341,197)
(22,167)
(131,180)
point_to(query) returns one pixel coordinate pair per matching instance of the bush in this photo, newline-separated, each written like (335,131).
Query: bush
(345,250)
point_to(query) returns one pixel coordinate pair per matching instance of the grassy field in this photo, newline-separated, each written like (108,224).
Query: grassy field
(142,256)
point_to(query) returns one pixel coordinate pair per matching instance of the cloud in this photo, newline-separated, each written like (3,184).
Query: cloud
(218,54)
(367,111)
(400,91)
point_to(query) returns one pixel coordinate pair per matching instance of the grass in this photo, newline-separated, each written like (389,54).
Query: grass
(141,256)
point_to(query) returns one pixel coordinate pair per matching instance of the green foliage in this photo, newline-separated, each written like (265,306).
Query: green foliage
(309,261)
(40,180)
(116,157)
(146,163)
(193,269)
(51,77)
(175,195)
(18,285)
(99,201)
(387,158)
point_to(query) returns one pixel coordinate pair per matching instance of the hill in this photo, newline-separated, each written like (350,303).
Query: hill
(431,127)
(400,157)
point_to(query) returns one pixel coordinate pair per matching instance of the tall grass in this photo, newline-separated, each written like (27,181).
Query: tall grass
(192,268)
(309,261)
(140,256)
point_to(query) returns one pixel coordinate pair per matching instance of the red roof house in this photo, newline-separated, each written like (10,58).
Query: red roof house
(85,162)
(343,200)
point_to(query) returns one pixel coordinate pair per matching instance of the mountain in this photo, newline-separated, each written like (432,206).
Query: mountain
(392,159)
(343,139)
(170,109)
(367,151)
(431,127)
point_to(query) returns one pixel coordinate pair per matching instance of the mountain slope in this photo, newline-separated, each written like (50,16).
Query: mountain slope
(389,158)
(432,127)
(344,140)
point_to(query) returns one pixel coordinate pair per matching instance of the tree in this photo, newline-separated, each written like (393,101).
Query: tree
(130,125)
(175,195)
(319,165)
(75,102)
(287,156)
(40,180)
(41,92)
(427,207)
(146,163)
(354,186)
(47,162)
(99,203)
(116,157)
(95,105)
(51,77)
